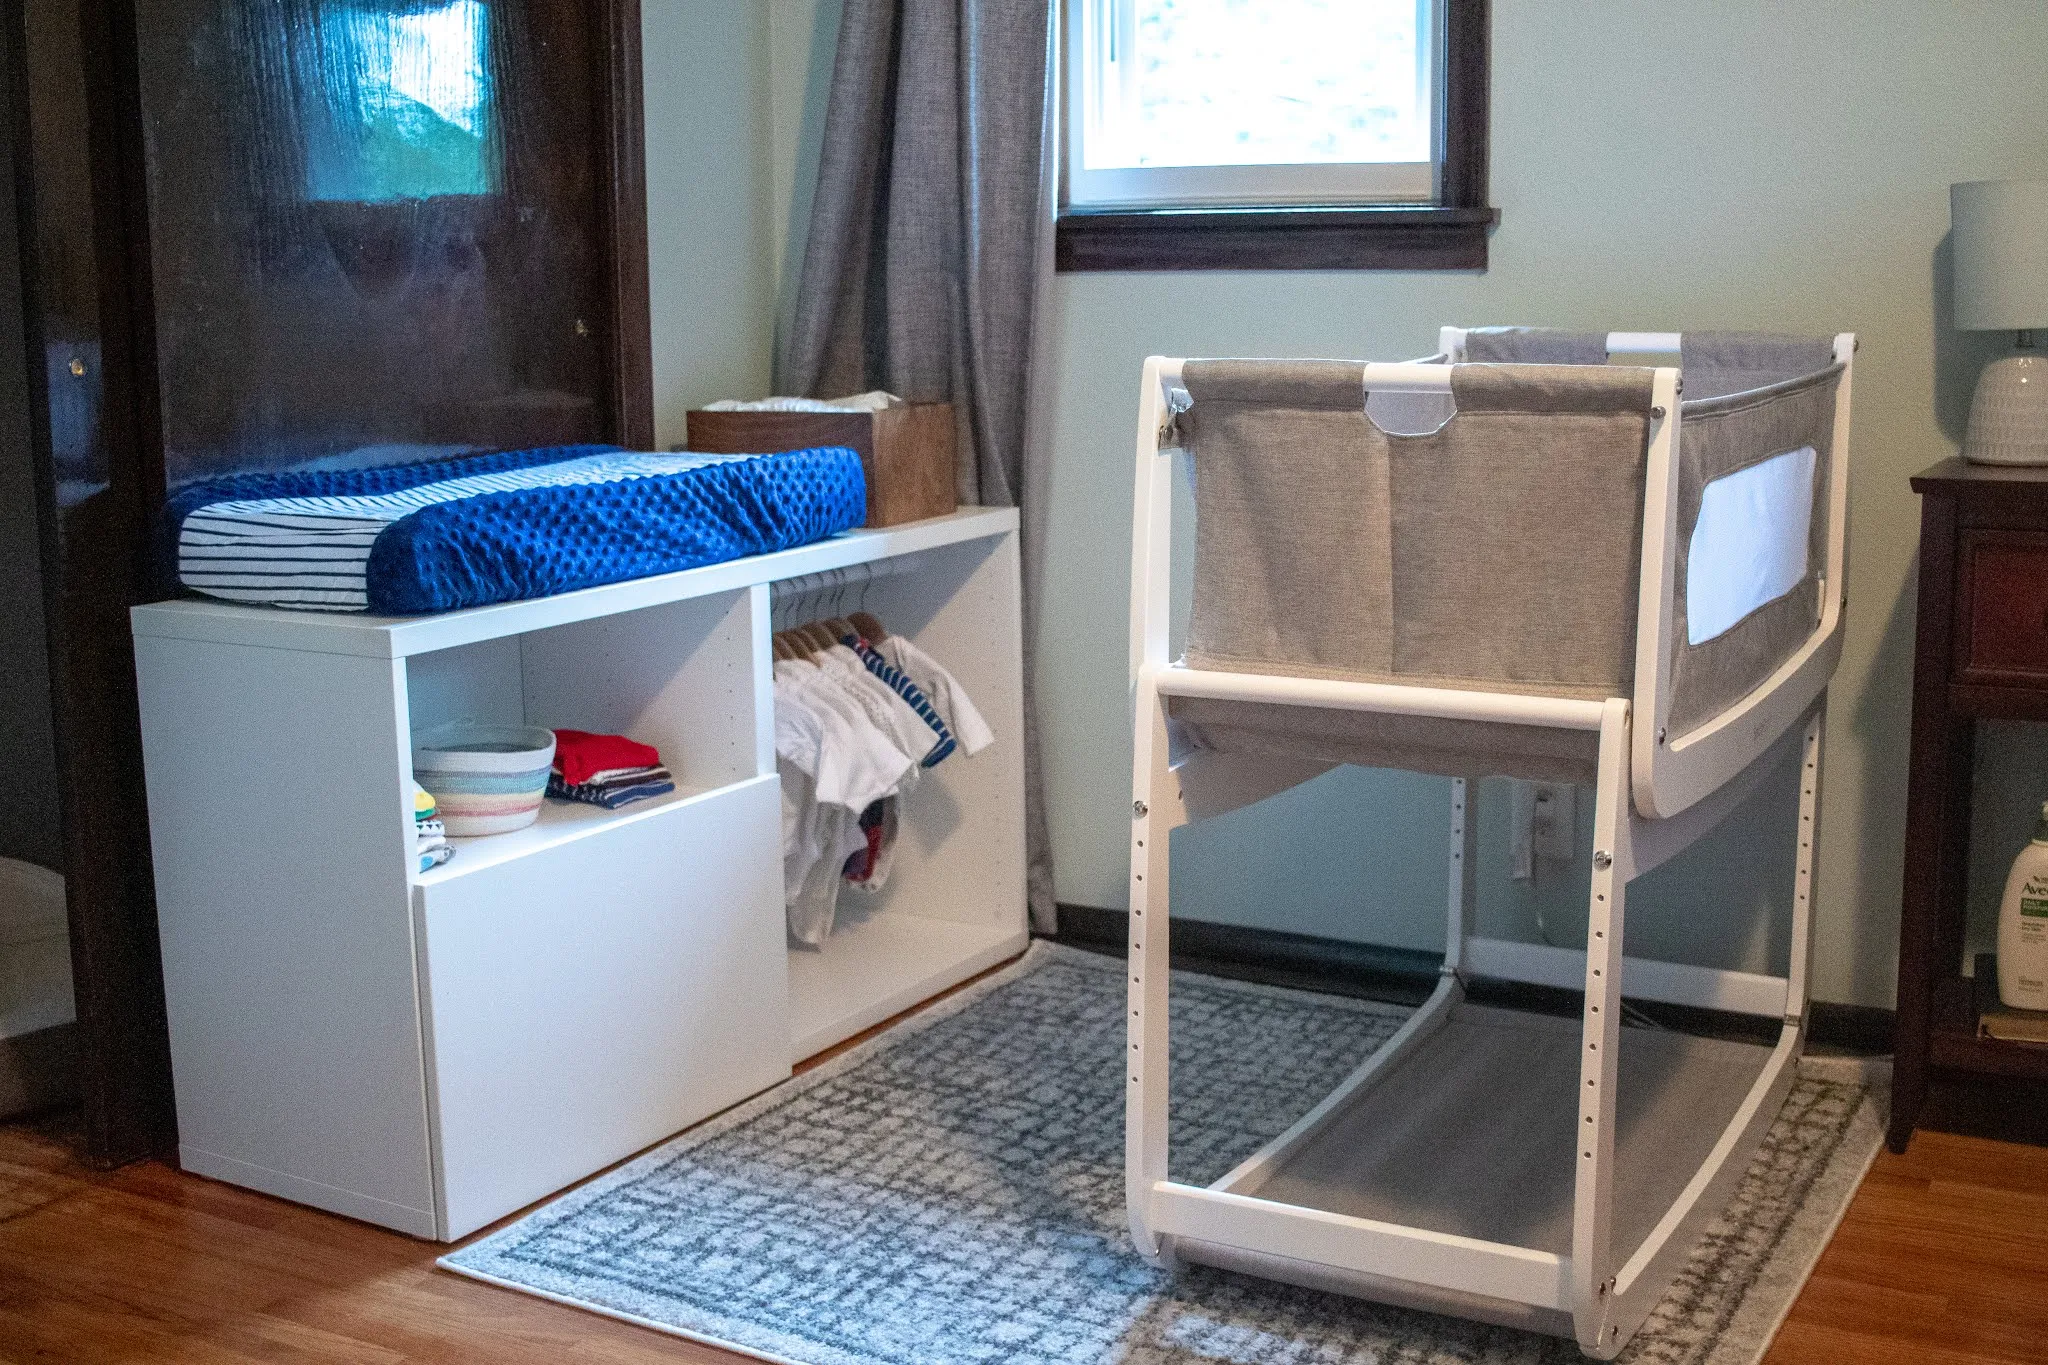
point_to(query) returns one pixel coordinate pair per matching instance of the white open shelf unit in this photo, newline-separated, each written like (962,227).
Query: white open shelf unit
(431,1052)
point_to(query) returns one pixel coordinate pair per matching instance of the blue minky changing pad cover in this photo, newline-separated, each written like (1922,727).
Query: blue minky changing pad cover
(406,540)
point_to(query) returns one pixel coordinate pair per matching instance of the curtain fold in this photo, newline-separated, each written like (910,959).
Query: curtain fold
(929,254)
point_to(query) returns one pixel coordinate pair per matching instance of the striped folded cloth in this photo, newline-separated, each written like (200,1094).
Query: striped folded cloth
(614,787)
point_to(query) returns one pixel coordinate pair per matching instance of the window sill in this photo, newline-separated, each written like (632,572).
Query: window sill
(1397,237)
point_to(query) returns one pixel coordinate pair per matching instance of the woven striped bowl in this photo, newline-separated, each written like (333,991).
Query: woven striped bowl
(488,779)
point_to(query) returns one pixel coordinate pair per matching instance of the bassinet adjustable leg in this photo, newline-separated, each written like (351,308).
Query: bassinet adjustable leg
(1593,1267)
(1610,1299)
(1464,878)
(1156,809)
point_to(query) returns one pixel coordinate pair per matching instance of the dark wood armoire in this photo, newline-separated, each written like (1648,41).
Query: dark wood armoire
(253,234)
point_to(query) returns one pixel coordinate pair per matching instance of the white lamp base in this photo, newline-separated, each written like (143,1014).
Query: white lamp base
(2009,415)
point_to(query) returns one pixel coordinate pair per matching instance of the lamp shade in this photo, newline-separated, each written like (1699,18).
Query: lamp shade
(1999,237)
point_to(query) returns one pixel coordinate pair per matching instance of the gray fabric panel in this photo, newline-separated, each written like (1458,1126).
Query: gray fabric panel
(1371,739)
(1534,346)
(1500,550)
(1291,559)
(928,249)
(1517,532)
(1333,384)
(1525,389)
(1473,1133)
(1718,437)
(1720,363)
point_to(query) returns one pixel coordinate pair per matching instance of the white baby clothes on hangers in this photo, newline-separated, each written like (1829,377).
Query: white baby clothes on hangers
(964,728)
(854,724)
(891,713)
(955,707)
(834,760)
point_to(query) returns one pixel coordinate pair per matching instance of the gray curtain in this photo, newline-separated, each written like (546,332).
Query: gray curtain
(929,250)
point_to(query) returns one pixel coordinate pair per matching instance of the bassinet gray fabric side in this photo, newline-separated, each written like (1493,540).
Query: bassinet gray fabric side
(1534,346)
(1717,364)
(1501,552)
(1718,437)
(1422,744)
(1292,567)
(1517,532)
(1498,551)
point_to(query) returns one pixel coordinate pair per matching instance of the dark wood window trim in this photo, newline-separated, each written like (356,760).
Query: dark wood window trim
(1451,235)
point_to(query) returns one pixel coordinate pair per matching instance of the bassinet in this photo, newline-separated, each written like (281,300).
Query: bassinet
(1536,554)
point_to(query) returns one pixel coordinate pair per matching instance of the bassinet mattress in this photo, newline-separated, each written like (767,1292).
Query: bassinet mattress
(413,539)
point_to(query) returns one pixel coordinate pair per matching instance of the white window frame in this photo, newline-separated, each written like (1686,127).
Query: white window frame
(1099,32)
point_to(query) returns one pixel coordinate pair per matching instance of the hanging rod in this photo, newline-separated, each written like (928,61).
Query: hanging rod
(851,575)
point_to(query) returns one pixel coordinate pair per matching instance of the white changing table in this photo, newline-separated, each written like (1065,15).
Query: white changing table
(432,1052)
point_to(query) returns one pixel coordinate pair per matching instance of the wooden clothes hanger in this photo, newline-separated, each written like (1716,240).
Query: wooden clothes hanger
(808,640)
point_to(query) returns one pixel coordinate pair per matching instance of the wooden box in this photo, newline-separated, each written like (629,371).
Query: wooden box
(906,452)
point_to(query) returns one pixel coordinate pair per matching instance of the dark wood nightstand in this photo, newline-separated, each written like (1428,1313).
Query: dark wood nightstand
(1981,651)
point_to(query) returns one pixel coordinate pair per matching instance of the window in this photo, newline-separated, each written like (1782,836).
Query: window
(1224,102)
(1268,133)
(401,104)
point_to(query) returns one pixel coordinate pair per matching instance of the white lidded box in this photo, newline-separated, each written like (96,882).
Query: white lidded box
(487,779)
(35,950)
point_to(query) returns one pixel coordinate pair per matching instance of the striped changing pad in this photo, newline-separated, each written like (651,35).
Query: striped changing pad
(411,539)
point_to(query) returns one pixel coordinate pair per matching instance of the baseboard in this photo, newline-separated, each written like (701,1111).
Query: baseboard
(1397,975)
(1864,1030)
(1407,975)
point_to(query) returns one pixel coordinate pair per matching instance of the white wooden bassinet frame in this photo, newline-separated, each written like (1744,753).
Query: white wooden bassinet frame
(1652,800)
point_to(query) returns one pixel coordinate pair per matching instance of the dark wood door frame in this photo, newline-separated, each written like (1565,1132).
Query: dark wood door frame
(95,565)
(623,115)
(97,551)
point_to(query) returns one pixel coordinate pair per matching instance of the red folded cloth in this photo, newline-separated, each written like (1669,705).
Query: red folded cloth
(579,754)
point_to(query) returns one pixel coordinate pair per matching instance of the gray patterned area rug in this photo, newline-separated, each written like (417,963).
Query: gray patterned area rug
(952,1192)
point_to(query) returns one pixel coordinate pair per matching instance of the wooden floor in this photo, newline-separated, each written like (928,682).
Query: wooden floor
(1943,1260)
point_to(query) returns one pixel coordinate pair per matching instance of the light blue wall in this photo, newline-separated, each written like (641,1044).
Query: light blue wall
(712,201)
(1740,164)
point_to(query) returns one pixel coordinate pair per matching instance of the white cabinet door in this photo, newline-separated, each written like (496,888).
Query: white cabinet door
(592,998)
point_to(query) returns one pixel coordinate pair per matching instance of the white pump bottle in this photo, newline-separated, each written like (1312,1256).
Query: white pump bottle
(2023,927)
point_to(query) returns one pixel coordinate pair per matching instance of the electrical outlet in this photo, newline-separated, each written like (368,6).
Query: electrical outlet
(1553,821)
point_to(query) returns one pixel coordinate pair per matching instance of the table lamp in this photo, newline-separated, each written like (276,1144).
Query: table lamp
(1999,238)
